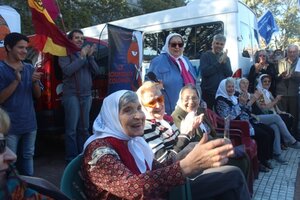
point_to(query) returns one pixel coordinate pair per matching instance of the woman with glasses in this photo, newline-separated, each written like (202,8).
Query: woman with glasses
(169,144)
(173,69)
(268,105)
(261,66)
(11,186)
(188,109)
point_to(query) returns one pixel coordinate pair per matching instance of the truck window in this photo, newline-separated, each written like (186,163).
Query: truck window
(248,42)
(198,39)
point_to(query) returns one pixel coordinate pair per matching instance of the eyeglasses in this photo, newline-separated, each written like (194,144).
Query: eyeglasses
(262,55)
(2,145)
(153,103)
(190,98)
(174,45)
(266,81)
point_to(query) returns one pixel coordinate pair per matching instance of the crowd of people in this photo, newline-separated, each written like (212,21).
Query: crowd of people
(145,143)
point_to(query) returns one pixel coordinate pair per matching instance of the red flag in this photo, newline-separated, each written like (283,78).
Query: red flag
(48,39)
(51,8)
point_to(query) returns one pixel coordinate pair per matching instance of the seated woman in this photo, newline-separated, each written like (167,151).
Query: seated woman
(248,100)
(168,143)
(189,104)
(11,185)
(228,105)
(118,163)
(268,104)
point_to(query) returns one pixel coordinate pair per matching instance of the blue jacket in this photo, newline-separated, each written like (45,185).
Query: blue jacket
(168,72)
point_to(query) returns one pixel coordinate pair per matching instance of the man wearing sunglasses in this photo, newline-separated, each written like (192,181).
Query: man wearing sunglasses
(173,69)
(215,66)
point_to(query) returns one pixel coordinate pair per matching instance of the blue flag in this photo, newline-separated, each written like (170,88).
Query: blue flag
(267,26)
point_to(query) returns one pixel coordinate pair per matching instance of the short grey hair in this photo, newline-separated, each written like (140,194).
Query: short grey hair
(290,46)
(128,97)
(219,37)
(230,80)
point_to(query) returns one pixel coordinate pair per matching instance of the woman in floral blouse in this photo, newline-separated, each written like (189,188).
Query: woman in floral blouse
(118,163)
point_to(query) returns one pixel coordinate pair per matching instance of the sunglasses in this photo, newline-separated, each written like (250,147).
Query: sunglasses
(174,45)
(153,103)
(2,145)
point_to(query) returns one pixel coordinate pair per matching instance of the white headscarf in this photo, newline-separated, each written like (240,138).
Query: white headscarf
(266,92)
(107,124)
(165,49)
(223,93)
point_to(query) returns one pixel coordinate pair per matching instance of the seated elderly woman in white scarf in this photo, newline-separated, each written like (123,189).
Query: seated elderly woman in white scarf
(227,104)
(268,104)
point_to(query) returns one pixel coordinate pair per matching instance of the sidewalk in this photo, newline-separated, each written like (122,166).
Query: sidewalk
(279,183)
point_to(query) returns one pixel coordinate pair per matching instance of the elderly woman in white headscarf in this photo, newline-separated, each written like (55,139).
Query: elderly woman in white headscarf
(173,69)
(227,104)
(118,163)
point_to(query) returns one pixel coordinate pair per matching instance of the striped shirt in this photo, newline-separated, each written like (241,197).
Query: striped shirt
(164,141)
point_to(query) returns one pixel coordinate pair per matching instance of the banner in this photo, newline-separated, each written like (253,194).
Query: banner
(48,38)
(125,58)
(267,26)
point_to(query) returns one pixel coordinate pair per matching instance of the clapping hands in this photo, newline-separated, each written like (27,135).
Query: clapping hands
(88,50)
(223,57)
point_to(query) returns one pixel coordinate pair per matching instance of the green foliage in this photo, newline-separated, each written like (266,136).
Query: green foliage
(149,6)
(84,13)
(287,16)
(77,13)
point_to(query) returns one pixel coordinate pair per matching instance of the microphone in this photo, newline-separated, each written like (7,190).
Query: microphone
(152,77)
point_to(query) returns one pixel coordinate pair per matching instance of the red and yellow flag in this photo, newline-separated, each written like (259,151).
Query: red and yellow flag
(48,38)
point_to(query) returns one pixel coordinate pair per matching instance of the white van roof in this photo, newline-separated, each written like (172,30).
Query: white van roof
(195,9)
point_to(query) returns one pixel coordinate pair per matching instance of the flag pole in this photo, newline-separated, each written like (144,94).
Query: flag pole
(60,16)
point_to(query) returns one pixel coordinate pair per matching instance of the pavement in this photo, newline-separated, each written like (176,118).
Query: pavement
(281,183)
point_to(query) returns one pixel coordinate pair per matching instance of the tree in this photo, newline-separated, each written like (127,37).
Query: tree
(149,6)
(77,13)
(287,16)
